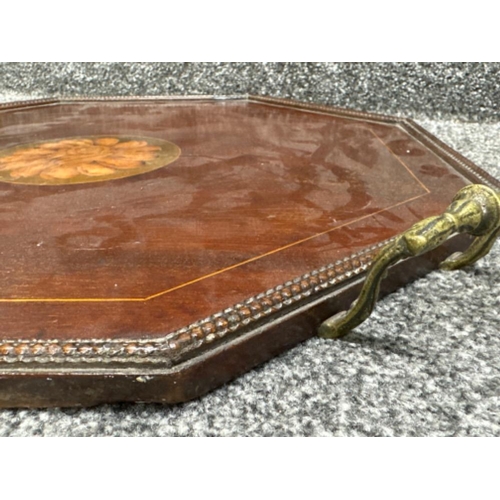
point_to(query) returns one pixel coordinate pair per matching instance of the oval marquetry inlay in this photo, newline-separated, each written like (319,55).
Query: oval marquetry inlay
(84,159)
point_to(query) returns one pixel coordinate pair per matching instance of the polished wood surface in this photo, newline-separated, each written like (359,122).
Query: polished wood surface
(262,192)
(259,195)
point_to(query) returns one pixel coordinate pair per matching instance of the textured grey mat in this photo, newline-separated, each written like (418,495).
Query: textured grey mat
(427,363)
(437,90)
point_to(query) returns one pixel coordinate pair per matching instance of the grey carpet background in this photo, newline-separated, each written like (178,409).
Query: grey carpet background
(467,91)
(427,363)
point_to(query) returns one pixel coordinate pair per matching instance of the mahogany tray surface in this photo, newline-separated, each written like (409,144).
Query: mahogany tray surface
(155,248)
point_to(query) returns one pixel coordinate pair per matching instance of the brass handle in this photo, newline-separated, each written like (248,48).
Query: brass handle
(475,210)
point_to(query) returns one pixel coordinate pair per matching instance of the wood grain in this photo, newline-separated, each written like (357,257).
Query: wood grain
(268,201)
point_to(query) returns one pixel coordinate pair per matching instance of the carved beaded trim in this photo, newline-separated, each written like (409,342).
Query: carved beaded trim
(176,346)
(462,163)
(443,150)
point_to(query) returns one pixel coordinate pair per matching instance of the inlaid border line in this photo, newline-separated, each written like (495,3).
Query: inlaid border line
(174,347)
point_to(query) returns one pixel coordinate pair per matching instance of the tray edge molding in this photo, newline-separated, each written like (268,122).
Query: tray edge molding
(186,343)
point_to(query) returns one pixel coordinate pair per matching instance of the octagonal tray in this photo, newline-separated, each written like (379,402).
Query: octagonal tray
(154,248)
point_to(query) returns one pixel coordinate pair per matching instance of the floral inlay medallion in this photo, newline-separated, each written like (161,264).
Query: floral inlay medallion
(84,159)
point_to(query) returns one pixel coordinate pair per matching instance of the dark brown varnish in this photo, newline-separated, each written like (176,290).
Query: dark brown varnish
(264,191)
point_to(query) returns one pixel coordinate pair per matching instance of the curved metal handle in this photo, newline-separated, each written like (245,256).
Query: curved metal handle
(475,210)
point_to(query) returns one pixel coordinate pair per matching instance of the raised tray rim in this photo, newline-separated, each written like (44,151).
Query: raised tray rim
(188,344)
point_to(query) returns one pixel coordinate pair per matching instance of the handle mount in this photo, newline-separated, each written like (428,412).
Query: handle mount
(474,210)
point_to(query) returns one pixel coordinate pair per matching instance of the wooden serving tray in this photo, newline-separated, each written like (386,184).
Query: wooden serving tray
(154,248)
